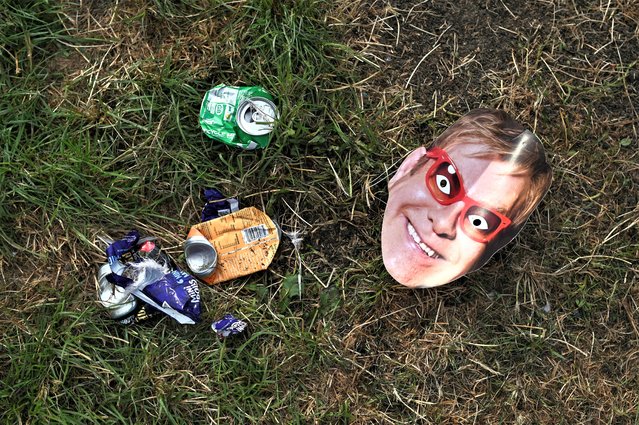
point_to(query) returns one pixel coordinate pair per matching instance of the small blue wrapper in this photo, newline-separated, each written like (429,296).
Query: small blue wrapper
(228,326)
(217,205)
(176,290)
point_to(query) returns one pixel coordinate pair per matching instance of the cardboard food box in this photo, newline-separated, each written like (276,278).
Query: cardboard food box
(245,241)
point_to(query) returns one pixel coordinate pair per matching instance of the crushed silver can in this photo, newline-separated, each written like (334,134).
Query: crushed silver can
(119,305)
(239,116)
(201,256)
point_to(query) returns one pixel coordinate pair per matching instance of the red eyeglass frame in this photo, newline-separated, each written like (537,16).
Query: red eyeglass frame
(440,156)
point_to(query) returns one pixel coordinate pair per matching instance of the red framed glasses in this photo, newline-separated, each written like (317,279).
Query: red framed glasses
(445,184)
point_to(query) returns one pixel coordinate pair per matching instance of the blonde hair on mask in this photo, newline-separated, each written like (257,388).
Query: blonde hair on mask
(506,140)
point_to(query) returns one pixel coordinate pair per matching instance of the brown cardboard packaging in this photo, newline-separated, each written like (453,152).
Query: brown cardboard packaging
(245,241)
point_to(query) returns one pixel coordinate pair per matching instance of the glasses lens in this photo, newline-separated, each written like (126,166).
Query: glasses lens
(480,223)
(443,182)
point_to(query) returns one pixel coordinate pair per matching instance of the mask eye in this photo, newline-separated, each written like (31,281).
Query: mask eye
(478,222)
(443,184)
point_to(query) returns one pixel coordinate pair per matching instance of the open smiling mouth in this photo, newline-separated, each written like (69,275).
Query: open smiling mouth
(427,250)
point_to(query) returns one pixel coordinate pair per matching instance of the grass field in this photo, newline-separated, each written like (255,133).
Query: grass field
(99,104)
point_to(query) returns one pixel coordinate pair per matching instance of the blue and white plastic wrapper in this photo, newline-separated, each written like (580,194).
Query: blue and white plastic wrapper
(228,326)
(218,205)
(176,293)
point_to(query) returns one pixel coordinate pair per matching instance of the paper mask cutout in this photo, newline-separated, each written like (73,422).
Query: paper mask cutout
(452,206)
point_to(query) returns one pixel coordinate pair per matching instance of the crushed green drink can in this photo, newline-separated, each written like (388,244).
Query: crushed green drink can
(238,116)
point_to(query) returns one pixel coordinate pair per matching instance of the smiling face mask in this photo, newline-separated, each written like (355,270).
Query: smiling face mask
(453,205)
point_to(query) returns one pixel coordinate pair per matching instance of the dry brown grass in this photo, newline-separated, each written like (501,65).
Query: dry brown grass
(547,332)
(544,332)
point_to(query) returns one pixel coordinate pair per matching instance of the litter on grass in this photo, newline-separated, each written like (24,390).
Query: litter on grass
(228,326)
(142,278)
(245,242)
(217,205)
(238,116)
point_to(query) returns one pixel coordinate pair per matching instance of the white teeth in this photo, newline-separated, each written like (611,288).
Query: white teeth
(418,241)
(426,249)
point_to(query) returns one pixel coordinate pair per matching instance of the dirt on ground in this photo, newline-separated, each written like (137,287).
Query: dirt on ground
(528,57)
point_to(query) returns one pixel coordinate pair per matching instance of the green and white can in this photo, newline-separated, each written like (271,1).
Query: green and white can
(238,116)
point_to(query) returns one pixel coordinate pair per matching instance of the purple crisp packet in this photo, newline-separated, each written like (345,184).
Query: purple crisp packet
(228,325)
(178,291)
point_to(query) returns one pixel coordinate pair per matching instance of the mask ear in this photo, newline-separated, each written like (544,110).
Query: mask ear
(407,165)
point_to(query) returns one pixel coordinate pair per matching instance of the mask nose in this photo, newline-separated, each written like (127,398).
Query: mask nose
(445,218)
